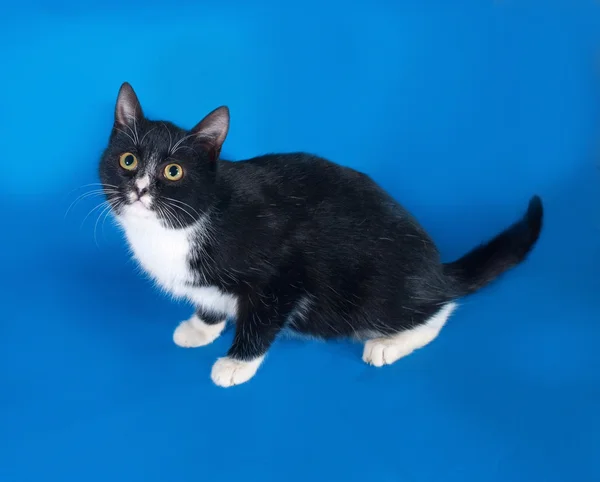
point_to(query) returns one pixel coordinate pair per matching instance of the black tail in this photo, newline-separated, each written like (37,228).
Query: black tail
(488,261)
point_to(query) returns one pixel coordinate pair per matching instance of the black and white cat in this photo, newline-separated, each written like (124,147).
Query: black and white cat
(284,241)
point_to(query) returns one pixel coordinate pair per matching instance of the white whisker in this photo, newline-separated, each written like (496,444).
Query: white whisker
(101,205)
(121,130)
(137,139)
(186,147)
(105,210)
(165,214)
(108,213)
(97,192)
(185,204)
(178,143)
(162,213)
(101,184)
(173,215)
(170,137)
(94,184)
(144,136)
(182,209)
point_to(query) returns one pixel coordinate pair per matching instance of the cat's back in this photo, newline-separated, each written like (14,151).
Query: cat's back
(301,176)
(321,199)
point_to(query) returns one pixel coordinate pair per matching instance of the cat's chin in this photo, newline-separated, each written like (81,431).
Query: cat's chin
(137,210)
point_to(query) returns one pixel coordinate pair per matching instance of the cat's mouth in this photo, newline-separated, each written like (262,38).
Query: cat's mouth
(140,202)
(140,208)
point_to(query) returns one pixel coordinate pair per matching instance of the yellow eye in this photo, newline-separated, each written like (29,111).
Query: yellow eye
(173,172)
(128,161)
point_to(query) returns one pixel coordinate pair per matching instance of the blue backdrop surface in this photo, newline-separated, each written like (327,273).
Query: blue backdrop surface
(462,112)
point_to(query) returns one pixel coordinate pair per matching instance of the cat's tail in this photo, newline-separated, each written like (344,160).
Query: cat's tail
(488,261)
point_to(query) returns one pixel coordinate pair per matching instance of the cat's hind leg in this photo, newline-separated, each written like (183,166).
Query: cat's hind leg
(201,329)
(385,351)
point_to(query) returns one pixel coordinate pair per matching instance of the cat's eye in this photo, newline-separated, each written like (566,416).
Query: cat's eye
(173,172)
(128,161)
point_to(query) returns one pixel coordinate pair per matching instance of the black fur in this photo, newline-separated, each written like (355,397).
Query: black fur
(305,243)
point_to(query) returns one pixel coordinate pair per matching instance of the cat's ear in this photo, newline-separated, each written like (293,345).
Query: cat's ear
(128,109)
(212,131)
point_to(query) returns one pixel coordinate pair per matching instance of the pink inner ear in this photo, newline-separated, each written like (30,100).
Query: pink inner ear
(212,130)
(211,148)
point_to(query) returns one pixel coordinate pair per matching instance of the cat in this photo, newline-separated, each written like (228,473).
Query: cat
(284,242)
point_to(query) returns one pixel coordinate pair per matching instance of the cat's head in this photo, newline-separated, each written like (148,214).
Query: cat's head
(157,171)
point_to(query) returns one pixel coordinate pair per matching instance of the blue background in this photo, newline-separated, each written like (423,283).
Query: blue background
(462,112)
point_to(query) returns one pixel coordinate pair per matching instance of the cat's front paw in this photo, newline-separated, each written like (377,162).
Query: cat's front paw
(383,351)
(227,371)
(195,332)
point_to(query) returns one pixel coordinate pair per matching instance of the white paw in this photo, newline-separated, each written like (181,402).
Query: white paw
(384,351)
(227,372)
(194,333)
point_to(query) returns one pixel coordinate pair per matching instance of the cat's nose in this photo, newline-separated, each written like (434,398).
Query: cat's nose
(140,191)
(141,185)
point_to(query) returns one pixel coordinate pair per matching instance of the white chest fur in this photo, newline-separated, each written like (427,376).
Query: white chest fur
(164,254)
